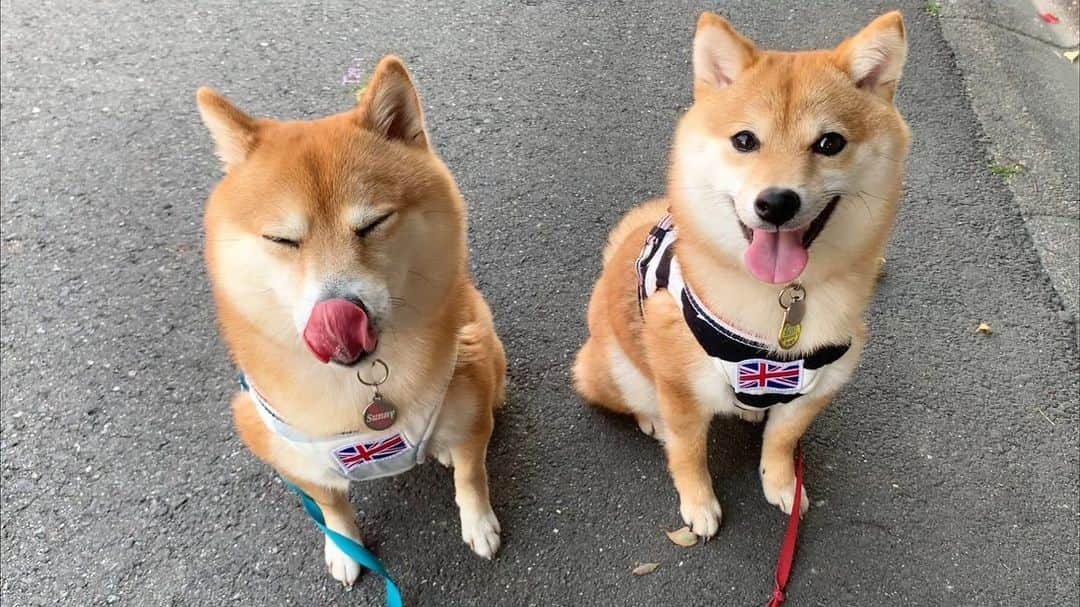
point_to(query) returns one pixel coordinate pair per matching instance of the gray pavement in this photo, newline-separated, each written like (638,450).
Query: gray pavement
(1026,95)
(946,474)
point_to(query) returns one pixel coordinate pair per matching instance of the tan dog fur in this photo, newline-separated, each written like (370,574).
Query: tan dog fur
(316,182)
(652,367)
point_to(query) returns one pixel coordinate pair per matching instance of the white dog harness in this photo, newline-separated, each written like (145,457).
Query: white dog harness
(357,456)
(760,378)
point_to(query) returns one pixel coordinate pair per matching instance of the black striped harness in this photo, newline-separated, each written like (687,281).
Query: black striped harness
(760,377)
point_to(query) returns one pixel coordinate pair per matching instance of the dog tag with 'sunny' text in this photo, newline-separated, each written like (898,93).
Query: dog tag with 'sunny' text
(380,414)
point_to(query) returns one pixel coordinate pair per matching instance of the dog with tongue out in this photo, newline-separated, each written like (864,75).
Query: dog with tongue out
(743,291)
(338,330)
(336,250)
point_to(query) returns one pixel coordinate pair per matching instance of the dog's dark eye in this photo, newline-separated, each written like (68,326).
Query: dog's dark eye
(830,144)
(744,141)
(285,242)
(364,231)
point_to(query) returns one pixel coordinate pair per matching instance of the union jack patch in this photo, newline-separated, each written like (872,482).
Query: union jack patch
(361,453)
(762,376)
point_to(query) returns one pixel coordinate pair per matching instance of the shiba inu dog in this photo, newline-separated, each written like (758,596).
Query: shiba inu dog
(744,290)
(336,250)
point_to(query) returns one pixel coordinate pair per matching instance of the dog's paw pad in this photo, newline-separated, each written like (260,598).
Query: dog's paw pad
(480,530)
(703,518)
(340,566)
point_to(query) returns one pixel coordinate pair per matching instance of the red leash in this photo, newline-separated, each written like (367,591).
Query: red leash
(787,549)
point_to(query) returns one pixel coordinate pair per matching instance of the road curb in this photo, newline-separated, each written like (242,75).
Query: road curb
(1026,96)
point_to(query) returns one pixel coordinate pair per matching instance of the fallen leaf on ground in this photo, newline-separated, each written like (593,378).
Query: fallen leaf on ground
(984,329)
(645,568)
(1049,18)
(1071,55)
(682,537)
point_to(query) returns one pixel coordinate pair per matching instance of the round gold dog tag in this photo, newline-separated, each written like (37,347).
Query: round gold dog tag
(380,414)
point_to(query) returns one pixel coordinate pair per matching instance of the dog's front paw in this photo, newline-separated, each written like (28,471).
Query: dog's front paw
(340,566)
(480,530)
(782,495)
(703,516)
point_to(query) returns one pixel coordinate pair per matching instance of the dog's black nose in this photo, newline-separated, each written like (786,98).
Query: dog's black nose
(776,205)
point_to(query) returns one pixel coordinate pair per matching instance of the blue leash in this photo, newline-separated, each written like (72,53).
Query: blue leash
(349,546)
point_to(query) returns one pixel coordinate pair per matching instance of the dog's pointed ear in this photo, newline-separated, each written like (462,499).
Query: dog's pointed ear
(234,132)
(720,52)
(874,58)
(390,106)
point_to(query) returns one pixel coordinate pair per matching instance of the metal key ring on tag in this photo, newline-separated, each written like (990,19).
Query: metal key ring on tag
(794,291)
(386,374)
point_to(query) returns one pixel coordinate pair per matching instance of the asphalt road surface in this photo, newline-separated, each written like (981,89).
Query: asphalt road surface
(945,474)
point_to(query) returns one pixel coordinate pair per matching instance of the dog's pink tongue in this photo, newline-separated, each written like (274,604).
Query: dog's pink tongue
(776,257)
(339,330)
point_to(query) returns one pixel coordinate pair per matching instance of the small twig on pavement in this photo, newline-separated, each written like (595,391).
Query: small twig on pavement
(1039,409)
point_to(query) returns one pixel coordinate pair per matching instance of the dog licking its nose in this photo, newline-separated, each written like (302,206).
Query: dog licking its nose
(339,330)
